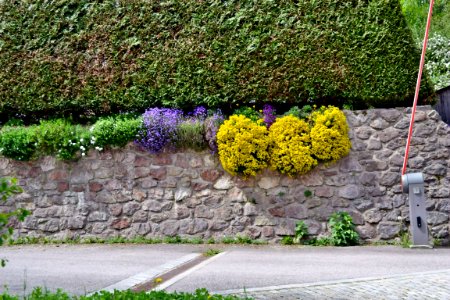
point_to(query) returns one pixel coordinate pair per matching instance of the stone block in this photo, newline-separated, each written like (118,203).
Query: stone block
(140,216)
(350,191)
(163,159)
(443,205)
(120,224)
(366,232)
(295,211)
(213,201)
(264,221)
(142,161)
(224,183)
(80,176)
(202,211)
(373,216)
(388,230)
(97,216)
(152,205)
(142,228)
(210,175)
(76,222)
(250,209)
(436,218)
(277,212)
(268,182)
(130,208)
(268,232)
(182,193)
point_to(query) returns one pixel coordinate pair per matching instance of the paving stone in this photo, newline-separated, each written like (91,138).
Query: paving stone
(426,285)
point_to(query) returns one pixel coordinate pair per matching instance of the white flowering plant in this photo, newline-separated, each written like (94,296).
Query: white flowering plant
(76,144)
(438,61)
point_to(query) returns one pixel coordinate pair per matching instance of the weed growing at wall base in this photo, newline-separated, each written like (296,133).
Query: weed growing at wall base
(200,294)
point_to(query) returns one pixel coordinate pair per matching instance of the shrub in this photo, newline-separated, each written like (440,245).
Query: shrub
(159,128)
(76,145)
(343,230)
(115,131)
(248,112)
(438,60)
(83,58)
(329,134)
(18,143)
(190,134)
(50,135)
(302,113)
(290,151)
(243,146)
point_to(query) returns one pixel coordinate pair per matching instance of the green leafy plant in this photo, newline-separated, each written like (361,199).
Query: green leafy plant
(211,252)
(320,241)
(115,131)
(343,230)
(405,239)
(301,113)
(50,135)
(40,293)
(8,188)
(287,240)
(301,232)
(191,134)
(76,145)
(18,143)
(307,193)
(248,112)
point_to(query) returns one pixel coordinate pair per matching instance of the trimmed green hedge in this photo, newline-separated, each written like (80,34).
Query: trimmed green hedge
(79,57)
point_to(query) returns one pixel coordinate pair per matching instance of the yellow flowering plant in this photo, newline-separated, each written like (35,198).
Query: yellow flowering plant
(243,146)
(290,150)
(329,134)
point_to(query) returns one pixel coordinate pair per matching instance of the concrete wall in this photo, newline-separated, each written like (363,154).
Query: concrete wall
(127,192)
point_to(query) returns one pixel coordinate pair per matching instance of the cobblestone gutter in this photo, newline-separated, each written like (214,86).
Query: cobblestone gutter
(127,192)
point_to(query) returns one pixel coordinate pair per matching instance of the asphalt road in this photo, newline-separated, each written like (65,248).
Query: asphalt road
(80,269)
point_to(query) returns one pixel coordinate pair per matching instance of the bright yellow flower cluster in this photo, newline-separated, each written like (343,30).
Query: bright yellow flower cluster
(329,134)
(292,146)
(290,151)
(243,146)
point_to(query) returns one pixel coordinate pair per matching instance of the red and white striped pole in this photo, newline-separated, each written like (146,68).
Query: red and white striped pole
(416,96)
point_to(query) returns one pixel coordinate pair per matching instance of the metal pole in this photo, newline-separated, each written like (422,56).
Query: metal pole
(416,96)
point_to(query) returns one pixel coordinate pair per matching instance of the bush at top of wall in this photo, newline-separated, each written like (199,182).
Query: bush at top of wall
(287,144)
(290,145)
(157,130)
(83,58)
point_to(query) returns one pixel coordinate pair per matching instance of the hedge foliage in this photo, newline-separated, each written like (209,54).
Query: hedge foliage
(67,57)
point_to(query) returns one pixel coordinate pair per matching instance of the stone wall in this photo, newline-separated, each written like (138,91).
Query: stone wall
(127,192)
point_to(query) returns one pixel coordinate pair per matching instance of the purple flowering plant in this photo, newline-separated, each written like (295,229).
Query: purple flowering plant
(212,124)
(159,128)
(199,113)
(269,115)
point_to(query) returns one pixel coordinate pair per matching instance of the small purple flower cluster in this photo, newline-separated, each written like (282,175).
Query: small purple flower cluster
(200,113)
(159,128)
(212,125)
(269,115)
